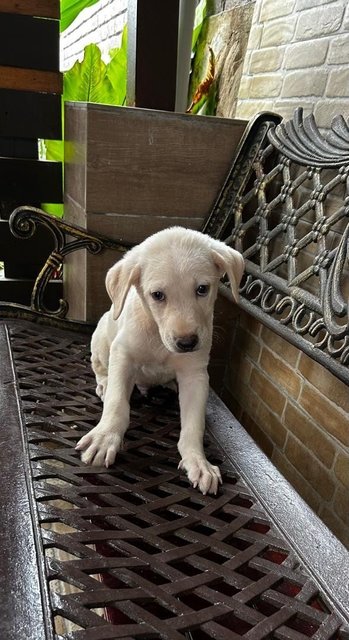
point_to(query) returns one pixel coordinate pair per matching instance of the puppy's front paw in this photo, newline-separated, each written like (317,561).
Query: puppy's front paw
(99,446)
(201,473)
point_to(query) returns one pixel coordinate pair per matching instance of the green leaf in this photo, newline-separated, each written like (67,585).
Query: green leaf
(54,209)
(70,9)
(209,107)
(117,70)
(200,14)
(54,150)
(87,81)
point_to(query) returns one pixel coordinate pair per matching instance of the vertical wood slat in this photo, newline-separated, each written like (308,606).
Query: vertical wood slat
(152,53)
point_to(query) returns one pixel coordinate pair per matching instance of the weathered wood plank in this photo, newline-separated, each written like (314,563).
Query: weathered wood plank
(42,8)
(173,164)
(30,80)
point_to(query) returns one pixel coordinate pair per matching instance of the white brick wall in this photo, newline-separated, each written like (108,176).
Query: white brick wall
(297,54)
(101,24)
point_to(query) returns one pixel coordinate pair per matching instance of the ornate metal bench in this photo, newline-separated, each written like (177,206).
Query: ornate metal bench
(134,551)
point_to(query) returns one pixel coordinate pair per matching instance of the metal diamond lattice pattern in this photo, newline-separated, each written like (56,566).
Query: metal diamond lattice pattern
(289,217)
(134,551)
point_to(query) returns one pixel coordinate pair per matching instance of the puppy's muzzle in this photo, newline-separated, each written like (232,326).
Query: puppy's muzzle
(187,343)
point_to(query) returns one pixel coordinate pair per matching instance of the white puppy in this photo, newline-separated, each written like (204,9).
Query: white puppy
(159,328)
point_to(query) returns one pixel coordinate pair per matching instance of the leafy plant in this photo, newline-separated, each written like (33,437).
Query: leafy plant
(70,9)
(202,99)
(202,93)
(200,15)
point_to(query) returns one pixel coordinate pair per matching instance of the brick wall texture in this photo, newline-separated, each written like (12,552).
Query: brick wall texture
(294,409)
(297,50)
(101,24)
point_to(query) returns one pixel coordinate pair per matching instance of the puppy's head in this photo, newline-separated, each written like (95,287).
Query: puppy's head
(176,273)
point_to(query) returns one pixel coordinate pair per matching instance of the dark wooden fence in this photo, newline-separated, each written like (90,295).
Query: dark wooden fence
(30,109)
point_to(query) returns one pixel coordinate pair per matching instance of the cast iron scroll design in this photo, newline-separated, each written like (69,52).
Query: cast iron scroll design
(300,140)
(227,203)
(67,239)
(287,211)
(132,551)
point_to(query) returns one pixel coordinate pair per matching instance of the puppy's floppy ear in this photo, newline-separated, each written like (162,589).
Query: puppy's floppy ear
(119,280)
(231,262)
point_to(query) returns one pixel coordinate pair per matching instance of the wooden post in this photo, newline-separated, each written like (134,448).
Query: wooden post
(152,53)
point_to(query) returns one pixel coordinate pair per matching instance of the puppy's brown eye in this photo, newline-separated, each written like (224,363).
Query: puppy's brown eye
(158,296)
(202,290)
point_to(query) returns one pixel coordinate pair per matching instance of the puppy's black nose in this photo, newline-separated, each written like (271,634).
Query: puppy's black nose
(187,343)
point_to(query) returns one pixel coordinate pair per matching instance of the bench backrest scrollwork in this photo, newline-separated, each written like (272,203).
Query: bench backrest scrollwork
(67,238)
(285,205)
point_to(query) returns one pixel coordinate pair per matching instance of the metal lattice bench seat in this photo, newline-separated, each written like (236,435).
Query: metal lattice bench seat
(133,551)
